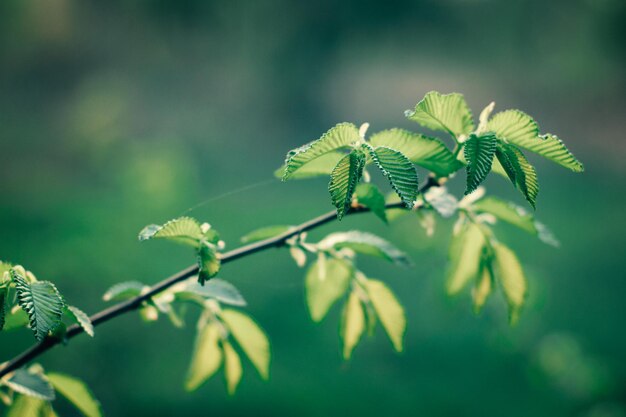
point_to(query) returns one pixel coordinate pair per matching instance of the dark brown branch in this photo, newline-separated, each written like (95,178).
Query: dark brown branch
(134,303)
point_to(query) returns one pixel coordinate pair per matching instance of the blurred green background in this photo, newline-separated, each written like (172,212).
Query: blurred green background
(118,114)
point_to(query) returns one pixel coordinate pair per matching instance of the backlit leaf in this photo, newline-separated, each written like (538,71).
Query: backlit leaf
(76,392)
(209,262)
(320,166)
(366,244)
(81,318)
(222,291)
(340,136)
(232,367)
(124,291)
(512,279)
(430,153)
(447,112)
(206,358)
(465,256)
(353,324)
(326,281)
(31,383)
(265,233)
(250,338)
(183,230)
(389,311)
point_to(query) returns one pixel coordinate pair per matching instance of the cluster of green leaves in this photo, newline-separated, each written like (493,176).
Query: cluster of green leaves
(30,392)
(332,276)
(28,302)
(494,144)
(223,334)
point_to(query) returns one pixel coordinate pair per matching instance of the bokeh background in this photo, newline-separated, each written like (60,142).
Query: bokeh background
(118,114)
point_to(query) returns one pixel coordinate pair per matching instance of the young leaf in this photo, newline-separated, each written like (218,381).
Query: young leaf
(265,233)
(370,196)
(41,301)
(25,406)
(183,230)
(430,153)
(251,338)
(16,318)
(320,166)
(399,171)
(366,244)
(465,255)
(208,262)
(232,367)
(124,291)
(389,311)
(442,201)
(31,383)
(483,287)
(76,392)
(326,282)
(521,173)
(479,152)
(552,148)
(512,279)
(446,112)
(207,356)
(222,291)
(353,324)
(508,212)
(81,318)
(514,126)
(518,128)
(340,136)
(344,179)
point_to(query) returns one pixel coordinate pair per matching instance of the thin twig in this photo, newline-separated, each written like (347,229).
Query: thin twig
(136,302)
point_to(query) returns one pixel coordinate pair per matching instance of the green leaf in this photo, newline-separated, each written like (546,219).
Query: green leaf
(370,196)
(326,281)
(41,301)
(15,319)
(514,126)
(483,287)
(183,230)
(265,233)
(516,216)
(81,318)
(222,291)
(209,262)
(366,244)
(521,173)
(465,255)
(24,406)
(446,112)
(76,392)
(251,338)
(478,152)
(31,383)
(207,356)
(430,153)
(340,136)
(389,311)
(320,166)
(232,367)
(353,324)
(552,148)
(399,171)
(512,279)
(518,128)
(124,291)
(344,179)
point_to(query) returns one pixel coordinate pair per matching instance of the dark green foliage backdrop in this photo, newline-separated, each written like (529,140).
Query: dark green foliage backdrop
(118,114)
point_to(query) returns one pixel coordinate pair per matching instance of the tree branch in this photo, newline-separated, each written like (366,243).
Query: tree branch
(134,303)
